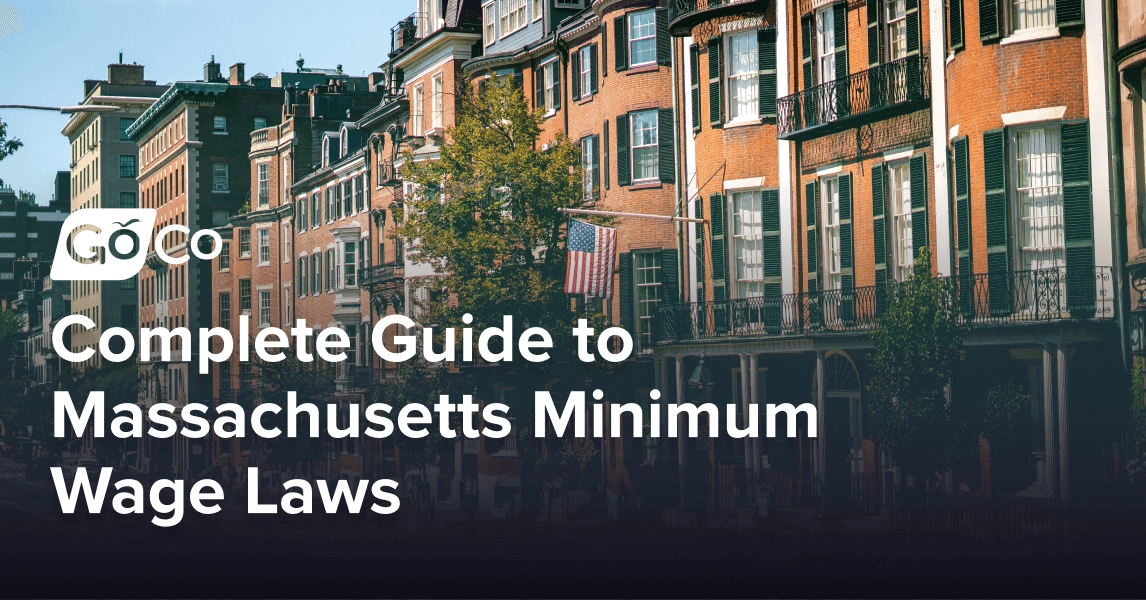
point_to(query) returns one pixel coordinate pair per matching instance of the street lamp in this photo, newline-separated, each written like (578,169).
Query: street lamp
(67,110)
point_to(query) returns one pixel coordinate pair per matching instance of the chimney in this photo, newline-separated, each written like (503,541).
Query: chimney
(238,76)
(121,74)
(211,71)
(376,82)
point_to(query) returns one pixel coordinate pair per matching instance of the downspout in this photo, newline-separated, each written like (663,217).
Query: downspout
(681,201)
(1117,181)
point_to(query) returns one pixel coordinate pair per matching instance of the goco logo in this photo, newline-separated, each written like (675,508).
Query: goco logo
(114,243)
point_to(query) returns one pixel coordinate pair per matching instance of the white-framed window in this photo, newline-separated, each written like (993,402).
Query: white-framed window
(1032,14)
(899,199)
(286,180)
(512,16)
(417,118)
(743,76)
(220,177)
(748,242)
(349,264)
(648,293)
(264,182)
(830,207)
(429,17)
(1037,176)
(642,38)
(286,243)
(316,210)
(244,295)
(264,246)
(245,243)
(286,304)
(586,74)
(826,44)
(551,81)
(645,145)
(264,308)
(331,270)
(538,7)
(220,124)
(439,101)
(896,19)
(489,23)
(303,279)
(591,167)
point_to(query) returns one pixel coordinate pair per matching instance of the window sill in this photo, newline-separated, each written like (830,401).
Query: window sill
(219,133)
(743,123)
(649,68)
(645,185)
(549,114)
(585,99)
(220,191)
(244,257)
(1033,34)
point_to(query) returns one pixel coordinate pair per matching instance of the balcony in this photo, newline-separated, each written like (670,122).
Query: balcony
(382,274)
(406,33)
(685,14)
(1017,297)
(885,91)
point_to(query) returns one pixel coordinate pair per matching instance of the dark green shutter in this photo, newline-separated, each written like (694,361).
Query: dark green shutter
(955,25)
(595,144)
(812,233)
(807,50)
(539,88)
(604,49)
(694,83)
(719,251)
(964,250)
(670,280)
(701,255)
(766,44)
(912,20)
(847,251)
(1078,219)
(625,271)
(557,97)
(624,164)
(843,99)
(666,145)
(575,75)
(605,157)
(998,217)
(1069,12)
(594,65)
(874,32)
(990,22)
(621,42)
(879,233)
(773,275)
(920,233)
(664,39)
(715,87)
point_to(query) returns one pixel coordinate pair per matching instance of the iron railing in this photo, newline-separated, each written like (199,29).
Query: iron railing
(987,299)
(380,274)
(679,9)
(839,104)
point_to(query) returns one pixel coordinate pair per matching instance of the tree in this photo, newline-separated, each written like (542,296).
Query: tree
(7,146)
(276,380)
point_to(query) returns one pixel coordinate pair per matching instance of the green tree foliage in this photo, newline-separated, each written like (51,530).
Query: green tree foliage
(7,146)
(275,381)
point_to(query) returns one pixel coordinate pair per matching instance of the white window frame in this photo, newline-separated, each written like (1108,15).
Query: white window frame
(263,238)
(899,206)
(1032,15)
(549,79)
(747,241)
(489,23)
(646,322)
(220,177)
(263,178)
(743,109)
(512,16)
(417,111)
(438,106)
(895,29)
(538,8)
(586,74)
(286,243)
(215,125)
(825,45)
(589,171)
(830,225)
(264,307)
(1044,187)
(348,264)
(643,38)
(636,144)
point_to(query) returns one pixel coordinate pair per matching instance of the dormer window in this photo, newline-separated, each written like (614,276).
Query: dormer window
(325,152)
(342,143)
(429,17)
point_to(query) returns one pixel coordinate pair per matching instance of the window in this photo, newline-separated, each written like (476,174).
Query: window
(437,117)
(359,193)
(347,198)
(896,19)
(246,376)
(224,387)
(302,213)
(899,196)
(130,283)
(225,310)
(264,308)
(331,203)
(220,182)
(286,243)
(127,200)
(489,24)
(585,62)
(124,124)
(417,118)
(245,296)
(315,210)
(648,280)
(245,243)
(264,181)
(831,212)
(512,16)
(1031,14)
(315,275)
(591,167)
(551,86)
(645,146)
(127,165)
(826,44)
(349,266)
(260,122)
(302,277)
(642,38)
(352,351)
(743,76)
(748,243)
(264,246)
(1038,188)
(225,257)
(331,271)
(220,124)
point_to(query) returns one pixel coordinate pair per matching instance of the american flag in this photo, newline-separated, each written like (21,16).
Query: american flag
(592,252)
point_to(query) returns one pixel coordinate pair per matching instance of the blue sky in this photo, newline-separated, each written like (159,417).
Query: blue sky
(63,42)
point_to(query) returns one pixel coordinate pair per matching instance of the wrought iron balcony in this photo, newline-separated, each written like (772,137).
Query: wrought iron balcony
(684,14)
(878,93)
(992,299)
(380,274)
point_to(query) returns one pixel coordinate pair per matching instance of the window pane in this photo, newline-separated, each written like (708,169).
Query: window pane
(826,44)
(831,208)
(642,38)
(748,236)
(645,150)
(648,279)
(896,29)
(743,75)
(899,196)
(1033,13)
(1038,182)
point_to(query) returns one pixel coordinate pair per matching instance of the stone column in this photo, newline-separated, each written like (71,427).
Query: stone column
(1048,418)
(753,399)
(1063,424)
(821,403)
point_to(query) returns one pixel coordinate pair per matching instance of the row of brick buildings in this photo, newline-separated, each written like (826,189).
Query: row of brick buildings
(824,144)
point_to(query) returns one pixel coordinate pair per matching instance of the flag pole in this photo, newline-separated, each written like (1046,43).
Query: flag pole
(605,213)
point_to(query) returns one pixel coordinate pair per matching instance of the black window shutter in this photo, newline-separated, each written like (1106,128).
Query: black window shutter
(575,75)
(807,45)
(594,66)
(595,144)
(955,24)
(621,45)
(539,88)
(557,84)
(1078,220)
(605,147)
(990,23)
(840,17)
(879,233)
(1068,12)
(719,251)
(912,19)
(766,44)
(666,144)
(771,250)
(919,229)
(625,271)
(998,217)
(874,32)
(963,246)
(701,255)
(812,233)
(664,38)
(694,83)
(715,91)
(670,277)
(624,165)
(604,49)
(847,251)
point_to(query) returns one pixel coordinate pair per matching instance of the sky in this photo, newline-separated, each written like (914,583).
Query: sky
(60,43)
